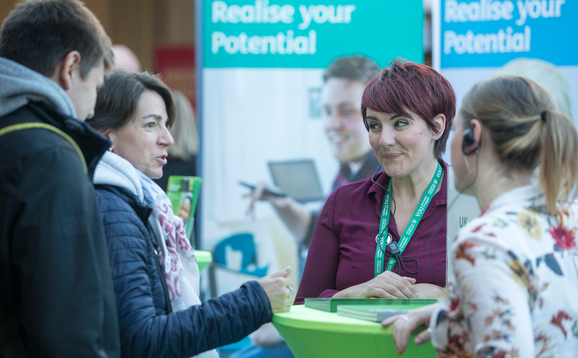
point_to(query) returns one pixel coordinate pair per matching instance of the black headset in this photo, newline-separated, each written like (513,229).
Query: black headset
(469,140)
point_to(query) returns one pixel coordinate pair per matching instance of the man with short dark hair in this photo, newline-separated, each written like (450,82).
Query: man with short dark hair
(343,83)
(57,296)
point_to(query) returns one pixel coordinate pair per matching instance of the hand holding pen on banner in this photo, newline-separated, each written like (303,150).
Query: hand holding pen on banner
(262,192)
(294,214)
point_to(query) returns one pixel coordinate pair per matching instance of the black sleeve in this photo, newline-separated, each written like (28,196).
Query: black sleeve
(61,274)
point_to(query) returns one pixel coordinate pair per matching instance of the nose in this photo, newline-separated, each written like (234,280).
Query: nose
(166,139)
(387,137)
(335,121)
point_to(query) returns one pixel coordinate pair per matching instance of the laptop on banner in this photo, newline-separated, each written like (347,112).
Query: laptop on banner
(297,178)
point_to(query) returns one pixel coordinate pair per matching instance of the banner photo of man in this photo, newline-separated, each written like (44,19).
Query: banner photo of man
(261,95)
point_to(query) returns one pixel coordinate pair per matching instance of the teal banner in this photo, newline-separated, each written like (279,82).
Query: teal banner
(305,34)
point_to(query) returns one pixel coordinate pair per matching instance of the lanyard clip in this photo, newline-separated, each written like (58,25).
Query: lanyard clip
(392,249)
(389,239)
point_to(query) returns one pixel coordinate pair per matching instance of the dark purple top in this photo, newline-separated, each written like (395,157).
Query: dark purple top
(342,251)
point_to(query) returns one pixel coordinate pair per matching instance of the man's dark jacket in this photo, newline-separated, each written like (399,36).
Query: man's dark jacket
(57,298)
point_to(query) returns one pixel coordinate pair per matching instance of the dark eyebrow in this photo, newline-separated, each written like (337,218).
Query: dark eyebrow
(402,115)
(392,117)
(155,116)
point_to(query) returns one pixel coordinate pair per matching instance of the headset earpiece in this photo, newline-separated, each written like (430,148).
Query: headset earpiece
(469,140)
(468,137)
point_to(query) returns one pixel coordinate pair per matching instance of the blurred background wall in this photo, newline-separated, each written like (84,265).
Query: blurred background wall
(142,25)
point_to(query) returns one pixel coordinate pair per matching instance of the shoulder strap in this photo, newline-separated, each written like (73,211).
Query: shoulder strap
(22,126)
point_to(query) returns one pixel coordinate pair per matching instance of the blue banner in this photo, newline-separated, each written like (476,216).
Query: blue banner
(489,33)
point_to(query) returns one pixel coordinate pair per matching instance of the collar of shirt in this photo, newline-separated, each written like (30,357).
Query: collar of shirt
(377,191)
(527,195)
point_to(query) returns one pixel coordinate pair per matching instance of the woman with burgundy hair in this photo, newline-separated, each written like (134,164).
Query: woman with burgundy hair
(385,236)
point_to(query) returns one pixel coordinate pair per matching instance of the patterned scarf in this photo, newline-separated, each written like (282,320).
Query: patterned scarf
(180,264)
(177,255)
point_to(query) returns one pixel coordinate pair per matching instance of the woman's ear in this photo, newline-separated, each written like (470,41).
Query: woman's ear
(472,140)
(476,127)
(105,133)
(439,123)
(108,134)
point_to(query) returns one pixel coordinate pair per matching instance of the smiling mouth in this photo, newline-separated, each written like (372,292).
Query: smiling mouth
(392,156)
(336,138)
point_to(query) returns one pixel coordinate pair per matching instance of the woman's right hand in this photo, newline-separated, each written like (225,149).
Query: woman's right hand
(279,290)
(386,285)
(404,325)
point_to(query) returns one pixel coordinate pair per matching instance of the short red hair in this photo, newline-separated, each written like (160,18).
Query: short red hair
(407,86)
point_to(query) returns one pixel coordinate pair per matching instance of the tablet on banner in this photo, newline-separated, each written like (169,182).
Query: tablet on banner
(297,178)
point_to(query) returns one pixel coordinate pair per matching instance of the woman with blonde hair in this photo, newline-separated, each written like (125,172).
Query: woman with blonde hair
(515,283)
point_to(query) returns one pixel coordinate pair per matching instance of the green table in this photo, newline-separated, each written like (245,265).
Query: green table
(204,258)
(314,333)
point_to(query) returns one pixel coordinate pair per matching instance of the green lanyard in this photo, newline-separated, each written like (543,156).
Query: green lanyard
(404,240)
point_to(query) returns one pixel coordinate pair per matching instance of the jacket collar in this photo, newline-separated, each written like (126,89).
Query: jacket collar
(20,85)
(91,143)
(142,211)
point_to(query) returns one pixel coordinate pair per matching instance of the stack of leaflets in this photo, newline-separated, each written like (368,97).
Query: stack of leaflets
(332,304)
(183,192)
(376,313)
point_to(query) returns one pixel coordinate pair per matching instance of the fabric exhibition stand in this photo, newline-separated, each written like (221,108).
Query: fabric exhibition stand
(312,333)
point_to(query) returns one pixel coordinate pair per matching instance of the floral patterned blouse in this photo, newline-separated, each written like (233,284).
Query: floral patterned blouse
(514,291)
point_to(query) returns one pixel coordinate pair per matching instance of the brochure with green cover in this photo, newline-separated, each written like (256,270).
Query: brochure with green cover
(331,304)
(376,313)
(183,192)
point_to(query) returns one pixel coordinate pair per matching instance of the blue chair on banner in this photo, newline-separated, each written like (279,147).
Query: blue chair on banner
(234,262)
(238,252)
